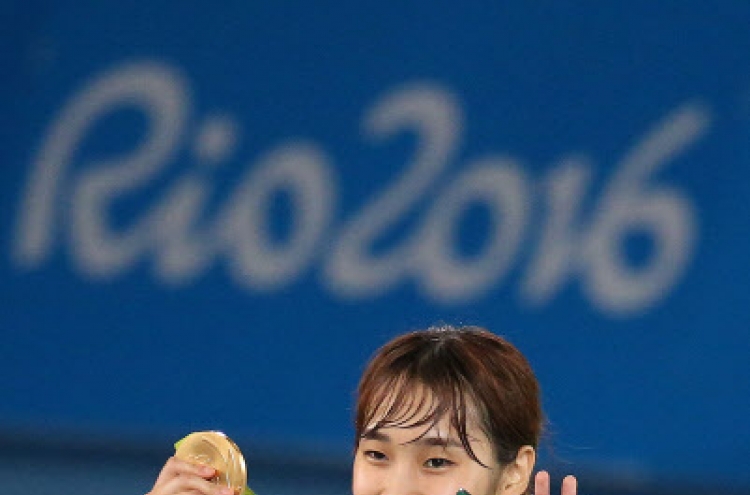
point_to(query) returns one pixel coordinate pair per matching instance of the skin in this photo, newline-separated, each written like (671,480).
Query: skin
(178,477)
(391,463)
(430,460)
(422,460)
(182,478)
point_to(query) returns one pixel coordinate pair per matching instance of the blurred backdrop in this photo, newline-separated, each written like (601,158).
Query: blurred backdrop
(212,213)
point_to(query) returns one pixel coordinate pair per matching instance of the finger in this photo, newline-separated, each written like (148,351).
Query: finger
(190,484)
(185,467)
(569,485)
(175,467)
(541,483)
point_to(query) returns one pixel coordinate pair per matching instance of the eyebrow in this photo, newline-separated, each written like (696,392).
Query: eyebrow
(425,440)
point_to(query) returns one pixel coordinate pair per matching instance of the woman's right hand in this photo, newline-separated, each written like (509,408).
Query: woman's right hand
(179,477)
(541,484)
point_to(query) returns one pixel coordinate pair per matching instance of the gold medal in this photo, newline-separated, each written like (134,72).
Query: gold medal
(215,449)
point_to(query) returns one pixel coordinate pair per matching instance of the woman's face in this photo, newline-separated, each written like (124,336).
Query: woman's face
(425,460)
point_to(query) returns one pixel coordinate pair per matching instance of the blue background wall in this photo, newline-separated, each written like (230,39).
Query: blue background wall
(212,215)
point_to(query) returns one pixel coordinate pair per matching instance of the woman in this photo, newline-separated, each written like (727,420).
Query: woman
(439,411)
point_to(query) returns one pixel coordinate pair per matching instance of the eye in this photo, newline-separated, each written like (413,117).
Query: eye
(375,455)
(438,463)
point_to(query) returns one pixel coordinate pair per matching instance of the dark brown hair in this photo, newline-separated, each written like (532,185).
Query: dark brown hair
(467,372)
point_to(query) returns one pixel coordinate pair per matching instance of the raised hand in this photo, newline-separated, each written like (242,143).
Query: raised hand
(541,484)
(178,477)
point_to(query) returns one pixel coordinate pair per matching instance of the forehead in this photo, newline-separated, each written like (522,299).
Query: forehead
(419,408)
(416,414)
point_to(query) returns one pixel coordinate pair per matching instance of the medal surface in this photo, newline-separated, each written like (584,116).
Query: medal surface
(215,449)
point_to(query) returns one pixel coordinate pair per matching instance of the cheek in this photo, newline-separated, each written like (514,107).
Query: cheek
(481,481)
(371,480)
(363,481)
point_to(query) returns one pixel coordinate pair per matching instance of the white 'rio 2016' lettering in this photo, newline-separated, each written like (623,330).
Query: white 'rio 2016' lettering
(182,247)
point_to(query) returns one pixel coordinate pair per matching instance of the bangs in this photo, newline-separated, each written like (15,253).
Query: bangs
(404,402)
(463,379)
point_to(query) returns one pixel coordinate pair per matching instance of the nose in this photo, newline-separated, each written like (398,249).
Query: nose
(403,481)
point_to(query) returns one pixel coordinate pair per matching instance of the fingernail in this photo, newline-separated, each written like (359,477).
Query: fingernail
(227,491)
(207,470)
